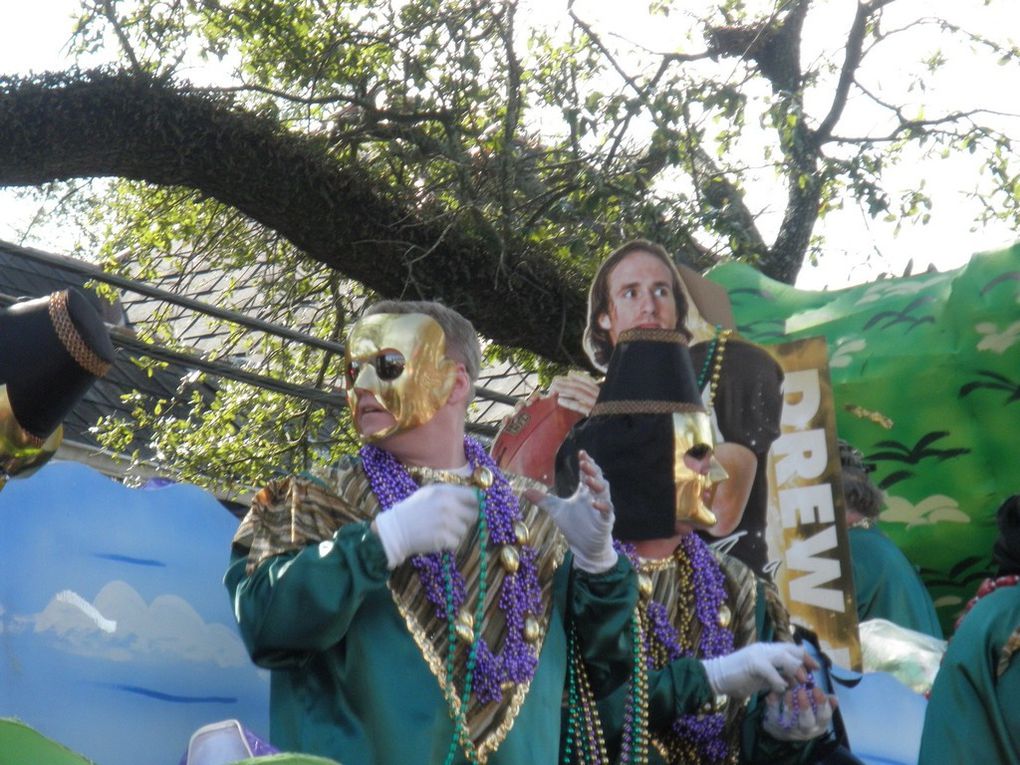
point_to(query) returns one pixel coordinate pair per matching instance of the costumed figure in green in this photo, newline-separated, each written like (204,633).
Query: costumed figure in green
(887,585)
(973,714)
(414,604)
(713,636)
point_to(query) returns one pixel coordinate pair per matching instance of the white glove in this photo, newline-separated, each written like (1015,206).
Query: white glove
(436,517)
(757,667)
(801,722)
(585,518)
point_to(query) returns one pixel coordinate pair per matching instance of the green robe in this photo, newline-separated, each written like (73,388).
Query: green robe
(357,654)
(887,585)
(682,687)
(974,712)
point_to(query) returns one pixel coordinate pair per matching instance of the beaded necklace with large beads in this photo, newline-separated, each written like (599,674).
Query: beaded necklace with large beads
(520,598)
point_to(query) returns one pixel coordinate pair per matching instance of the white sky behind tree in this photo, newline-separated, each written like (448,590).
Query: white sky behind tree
(33,37)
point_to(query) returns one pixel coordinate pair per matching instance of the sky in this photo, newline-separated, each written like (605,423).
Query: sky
(33,37)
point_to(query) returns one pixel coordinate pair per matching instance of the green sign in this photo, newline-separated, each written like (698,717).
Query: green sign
(926,379)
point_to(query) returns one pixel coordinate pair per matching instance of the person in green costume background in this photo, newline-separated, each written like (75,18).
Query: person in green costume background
(973,714)
(887,585)
(411,607)
(714,635)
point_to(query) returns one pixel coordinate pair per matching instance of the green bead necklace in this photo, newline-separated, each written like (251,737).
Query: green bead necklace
(461,735)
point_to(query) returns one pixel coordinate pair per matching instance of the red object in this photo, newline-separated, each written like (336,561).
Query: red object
(527,442)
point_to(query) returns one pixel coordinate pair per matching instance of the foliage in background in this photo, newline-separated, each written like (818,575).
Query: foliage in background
(513,149)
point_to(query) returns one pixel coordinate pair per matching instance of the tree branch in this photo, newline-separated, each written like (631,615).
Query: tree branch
(77,125)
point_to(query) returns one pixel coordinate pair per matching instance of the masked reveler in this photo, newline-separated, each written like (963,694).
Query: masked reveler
(412,606)
(52,349)
(713,635)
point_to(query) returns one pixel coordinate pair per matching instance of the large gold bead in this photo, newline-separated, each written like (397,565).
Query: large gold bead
(644,584)
(510,558)
(521,532)
(482,477)
(532,631)
(725,616)
(465,626)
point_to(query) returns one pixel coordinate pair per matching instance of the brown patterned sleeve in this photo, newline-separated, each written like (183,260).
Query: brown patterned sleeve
(287,515)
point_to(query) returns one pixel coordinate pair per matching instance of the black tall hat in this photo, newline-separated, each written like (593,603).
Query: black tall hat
(51,351)
(634,433)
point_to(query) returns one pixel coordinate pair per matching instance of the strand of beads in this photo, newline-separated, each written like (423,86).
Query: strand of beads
(787,722)
(634,741)
(713,361)
(520,598)
(988,586)
(461,735)
(584,742)
(700,591)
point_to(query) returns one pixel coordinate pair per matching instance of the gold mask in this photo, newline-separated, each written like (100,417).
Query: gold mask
(691,430)
(400,358)
(21,453)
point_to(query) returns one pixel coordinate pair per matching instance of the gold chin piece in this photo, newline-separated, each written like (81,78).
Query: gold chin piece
(691,429)
(419,390)
(22,453)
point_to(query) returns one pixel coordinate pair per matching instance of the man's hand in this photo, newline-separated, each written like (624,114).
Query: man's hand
(576,391)
(586,518)
(759,667)
(800,716)
(436,517)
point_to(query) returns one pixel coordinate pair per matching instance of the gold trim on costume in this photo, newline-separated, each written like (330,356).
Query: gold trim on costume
(652,335)
(1009,649)
(644,407)
(669,587)
(71,339)
(293,513)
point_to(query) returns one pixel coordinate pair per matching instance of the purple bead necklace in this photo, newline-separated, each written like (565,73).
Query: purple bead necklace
(520,593)
(699,571)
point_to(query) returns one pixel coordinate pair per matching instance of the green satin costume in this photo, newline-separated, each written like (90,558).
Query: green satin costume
(887,585)
(974,711)
(681,686)
(347,639)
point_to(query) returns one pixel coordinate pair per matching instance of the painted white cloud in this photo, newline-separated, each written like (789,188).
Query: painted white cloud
(996,341)
(845,350)
(120,626)
(937,508)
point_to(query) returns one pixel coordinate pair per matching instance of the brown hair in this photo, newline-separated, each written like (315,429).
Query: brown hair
(860,494)
(461,338)
(597,344)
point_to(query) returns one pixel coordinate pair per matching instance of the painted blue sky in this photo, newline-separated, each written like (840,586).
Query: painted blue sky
(117,633)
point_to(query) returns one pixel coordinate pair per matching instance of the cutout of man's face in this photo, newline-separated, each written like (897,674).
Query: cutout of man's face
(398,376)
(640,296)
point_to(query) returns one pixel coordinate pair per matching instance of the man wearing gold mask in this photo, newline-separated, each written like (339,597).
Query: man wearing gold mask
(715,637)
(411,607)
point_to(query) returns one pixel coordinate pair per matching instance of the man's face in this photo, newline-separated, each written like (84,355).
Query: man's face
(640,296)
(397,372)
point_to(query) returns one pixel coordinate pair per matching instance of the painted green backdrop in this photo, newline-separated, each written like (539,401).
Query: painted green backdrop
(926,376)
